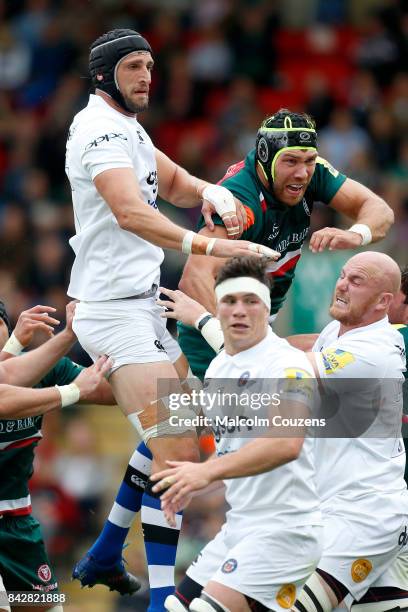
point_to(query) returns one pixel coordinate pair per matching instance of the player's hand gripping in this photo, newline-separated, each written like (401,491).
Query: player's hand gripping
(218,199)
(89,379)
(179,483)
(240,248)
(181,307)
(333,238)
(32,320)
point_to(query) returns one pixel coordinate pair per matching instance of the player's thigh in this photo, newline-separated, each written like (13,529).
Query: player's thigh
(209,559)
(358,548)
(230,598)
(128,331)
(24,563)
(262,566)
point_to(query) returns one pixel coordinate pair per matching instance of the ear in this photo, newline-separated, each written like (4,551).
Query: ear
(385,301)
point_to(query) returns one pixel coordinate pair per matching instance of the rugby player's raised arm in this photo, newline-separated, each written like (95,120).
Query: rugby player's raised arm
(182,189)
(121,191)
(371,214)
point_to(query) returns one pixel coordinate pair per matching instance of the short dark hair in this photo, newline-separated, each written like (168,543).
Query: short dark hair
(244,266)
(5,318)
(404,283)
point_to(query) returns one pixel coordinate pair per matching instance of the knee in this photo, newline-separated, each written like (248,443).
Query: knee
(185,449)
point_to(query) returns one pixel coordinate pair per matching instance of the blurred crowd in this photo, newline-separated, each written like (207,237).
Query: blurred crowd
(221,66)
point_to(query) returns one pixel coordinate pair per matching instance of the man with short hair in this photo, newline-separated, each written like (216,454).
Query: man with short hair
(360,479)
(250,563)
(116,176)
(278,183)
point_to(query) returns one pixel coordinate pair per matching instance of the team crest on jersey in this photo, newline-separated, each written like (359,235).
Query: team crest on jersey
(360,569)
(336,360)
(243,379)
(286,596)
(44,573)
(229,566)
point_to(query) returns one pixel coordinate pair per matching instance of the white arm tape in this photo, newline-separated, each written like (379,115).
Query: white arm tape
(213,334)
(13,346)
(221,198)
(70,394)
(187,244)
(364,231)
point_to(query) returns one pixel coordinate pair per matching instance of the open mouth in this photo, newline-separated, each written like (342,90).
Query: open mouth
(239,326)
(295,189)
(340,301)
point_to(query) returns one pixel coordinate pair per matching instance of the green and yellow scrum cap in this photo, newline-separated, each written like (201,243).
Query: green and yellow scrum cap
(281,132)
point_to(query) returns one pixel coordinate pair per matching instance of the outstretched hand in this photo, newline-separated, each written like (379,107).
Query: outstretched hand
(333,239)
(32,320)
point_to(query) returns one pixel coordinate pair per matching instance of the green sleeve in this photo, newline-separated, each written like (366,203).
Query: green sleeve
(245,195)
(326,181)
(403,330)
(63,373)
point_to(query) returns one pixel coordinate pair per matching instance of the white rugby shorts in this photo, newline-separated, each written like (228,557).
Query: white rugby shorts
(129,331)
(270,566)
(362,550)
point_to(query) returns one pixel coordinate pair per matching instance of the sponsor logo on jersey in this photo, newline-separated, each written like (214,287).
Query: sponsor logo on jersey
(159,346)
(403,537)
(328,166)
(336,360)
(286,596)
(306,208)
(360,569)
(44,573)
(104,138)
(229,566)
(296,373)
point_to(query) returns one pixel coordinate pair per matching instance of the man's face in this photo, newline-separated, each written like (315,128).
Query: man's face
(293,172)
(134,78)
(398,312)
(356,295)
(244,320)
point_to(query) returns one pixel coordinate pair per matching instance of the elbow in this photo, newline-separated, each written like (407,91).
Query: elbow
(126,222)
(293,448)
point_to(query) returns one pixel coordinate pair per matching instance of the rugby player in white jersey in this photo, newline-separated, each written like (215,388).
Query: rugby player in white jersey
(249,565)
(116,175)
(360,479)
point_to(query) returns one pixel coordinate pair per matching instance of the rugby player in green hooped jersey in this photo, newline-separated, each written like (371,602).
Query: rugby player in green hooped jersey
(278,183)
(24,563)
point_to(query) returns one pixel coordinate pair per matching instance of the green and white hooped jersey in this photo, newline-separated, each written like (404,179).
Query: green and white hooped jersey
(280,227)
(18,439)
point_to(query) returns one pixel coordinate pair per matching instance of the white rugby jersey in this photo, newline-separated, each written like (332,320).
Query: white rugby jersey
(110,262)
(285,496)
(368,467)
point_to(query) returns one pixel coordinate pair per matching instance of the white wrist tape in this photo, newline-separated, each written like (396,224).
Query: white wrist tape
(187,244)
(70,394)
(364,231)
(13,346)
(221,198)
(210,246)
(212,333)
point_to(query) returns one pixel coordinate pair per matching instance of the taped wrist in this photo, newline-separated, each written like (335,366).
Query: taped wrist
(364,231)
(13,346)
(70,394)
(211,331)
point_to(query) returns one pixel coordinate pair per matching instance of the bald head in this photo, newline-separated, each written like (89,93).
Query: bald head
(367,285)
(381,268)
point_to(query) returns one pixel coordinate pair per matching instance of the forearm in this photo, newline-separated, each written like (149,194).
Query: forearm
(29,368)
(199,285)
(256,457)
(16,402)
(377,215)
(185,190)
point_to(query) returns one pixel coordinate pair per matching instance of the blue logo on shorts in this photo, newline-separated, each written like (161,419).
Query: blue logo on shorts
(229,566)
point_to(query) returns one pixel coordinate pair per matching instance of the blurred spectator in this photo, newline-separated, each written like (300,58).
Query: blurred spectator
(341,140)
(15,60)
